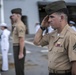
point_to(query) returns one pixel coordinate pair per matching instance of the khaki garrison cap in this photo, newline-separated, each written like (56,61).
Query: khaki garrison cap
(17,11)
(55,6)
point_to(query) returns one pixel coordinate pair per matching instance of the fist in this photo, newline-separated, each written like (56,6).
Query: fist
(21,56)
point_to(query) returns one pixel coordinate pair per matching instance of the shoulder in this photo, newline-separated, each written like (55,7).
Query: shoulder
(21,25)
(6,32)
(71,33)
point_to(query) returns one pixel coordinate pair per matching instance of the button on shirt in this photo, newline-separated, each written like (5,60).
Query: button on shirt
(62,48)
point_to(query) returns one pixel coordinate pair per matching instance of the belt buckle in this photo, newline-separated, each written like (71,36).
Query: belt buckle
(53,71)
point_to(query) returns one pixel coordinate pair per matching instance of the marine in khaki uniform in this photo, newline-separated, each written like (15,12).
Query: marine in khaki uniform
(61,42)
(18,40)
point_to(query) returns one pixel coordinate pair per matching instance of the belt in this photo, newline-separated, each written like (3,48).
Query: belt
(59,71)
(15,44)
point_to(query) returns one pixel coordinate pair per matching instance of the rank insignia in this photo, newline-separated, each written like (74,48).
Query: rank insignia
(74,46)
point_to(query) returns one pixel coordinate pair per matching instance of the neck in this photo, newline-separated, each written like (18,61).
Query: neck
(63,24)
(18,20)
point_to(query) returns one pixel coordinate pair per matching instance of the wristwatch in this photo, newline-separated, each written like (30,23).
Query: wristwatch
(42,28)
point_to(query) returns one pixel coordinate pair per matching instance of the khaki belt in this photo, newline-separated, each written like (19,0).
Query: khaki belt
(59,71)
(15,44)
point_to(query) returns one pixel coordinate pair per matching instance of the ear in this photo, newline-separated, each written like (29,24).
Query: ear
(19,15)
(62,16)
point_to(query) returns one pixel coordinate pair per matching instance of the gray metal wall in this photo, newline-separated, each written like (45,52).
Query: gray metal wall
(30,9)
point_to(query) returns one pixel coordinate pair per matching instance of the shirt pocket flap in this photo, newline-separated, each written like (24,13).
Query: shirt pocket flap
(58,49)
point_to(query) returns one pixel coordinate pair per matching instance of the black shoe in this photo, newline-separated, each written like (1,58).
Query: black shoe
(4,70)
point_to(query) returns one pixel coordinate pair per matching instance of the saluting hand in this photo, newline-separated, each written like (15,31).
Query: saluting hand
(45,22)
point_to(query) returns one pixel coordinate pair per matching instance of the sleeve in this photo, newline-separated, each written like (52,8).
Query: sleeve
(45,40)
(72,48)
(21,31)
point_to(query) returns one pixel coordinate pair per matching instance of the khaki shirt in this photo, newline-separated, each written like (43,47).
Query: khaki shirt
(18,31)
(62,48)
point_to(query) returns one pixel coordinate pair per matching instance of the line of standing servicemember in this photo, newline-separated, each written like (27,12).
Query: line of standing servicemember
(61,41)
(18,34)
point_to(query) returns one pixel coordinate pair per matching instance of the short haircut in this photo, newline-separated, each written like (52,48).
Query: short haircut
(64,10)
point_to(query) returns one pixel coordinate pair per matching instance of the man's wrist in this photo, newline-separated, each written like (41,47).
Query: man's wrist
(42,28)
(21,52)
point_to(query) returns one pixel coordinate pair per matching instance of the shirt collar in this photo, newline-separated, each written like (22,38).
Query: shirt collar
(64,31)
